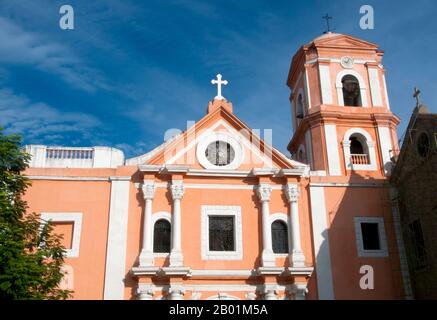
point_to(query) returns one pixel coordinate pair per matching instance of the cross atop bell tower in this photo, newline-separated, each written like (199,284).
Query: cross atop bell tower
(327,18)
(417,96)
(340,108)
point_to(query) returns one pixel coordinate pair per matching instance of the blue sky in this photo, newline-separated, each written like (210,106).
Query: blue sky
(131,70)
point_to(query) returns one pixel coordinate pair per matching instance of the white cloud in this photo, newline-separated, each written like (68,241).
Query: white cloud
(41,122)
(21,47)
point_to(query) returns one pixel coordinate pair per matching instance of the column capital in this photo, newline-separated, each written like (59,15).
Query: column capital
(177,190)
(299,291)
(270,292)
(292,192)
(145,292)
(251,296)
(176,292)
(148,188)
(264,190)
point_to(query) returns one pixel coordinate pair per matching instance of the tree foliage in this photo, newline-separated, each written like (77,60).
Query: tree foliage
(31,256)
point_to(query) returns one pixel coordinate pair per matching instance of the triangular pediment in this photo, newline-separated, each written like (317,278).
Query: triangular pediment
(222,138)
(343,41)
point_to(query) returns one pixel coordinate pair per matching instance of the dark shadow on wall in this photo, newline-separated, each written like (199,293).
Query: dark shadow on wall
(364,196)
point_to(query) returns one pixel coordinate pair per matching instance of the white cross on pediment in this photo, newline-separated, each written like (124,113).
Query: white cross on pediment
(219,83)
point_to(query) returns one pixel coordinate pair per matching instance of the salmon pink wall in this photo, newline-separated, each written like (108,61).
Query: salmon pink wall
(342,205)
(91,198)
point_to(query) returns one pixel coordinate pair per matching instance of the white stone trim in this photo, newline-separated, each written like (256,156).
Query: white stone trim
(386,92)
(375,87)
(322,253)
(234,143)
(161,215)
(117,238)
(307,89)
(337,60)
(222,186)
(339,86)
(219,173)
(206,212)
(284,218)
(76,218)
(222,296)
(383,252)
(309,149)
(223,273)
(220,290)
(222,287)
(370,144)
(325,84)
(332,150)
(386,148)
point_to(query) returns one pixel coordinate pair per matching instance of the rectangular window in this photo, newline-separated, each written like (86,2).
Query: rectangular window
(221,234)
(420,257)
(370,237)
(69,224)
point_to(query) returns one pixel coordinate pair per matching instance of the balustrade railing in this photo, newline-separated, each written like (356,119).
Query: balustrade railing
(359,159)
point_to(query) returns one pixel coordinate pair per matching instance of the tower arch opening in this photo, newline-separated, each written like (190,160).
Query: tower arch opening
(351,91)
(358,149)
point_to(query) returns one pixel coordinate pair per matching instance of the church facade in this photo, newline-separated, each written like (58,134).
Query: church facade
(218,213)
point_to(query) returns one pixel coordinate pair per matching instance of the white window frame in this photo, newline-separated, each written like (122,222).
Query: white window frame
(234,211)
(381,253)
(370,144)
(235,143)
(339,86)
(161,215)
(284,218)
(76,218)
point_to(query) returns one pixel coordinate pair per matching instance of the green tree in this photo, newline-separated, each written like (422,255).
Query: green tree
(31,256)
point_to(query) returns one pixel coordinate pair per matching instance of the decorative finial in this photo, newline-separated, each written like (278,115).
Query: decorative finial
(327,18)
(219,83)
(417,96)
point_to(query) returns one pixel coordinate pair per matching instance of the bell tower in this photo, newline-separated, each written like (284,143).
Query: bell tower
(342,123)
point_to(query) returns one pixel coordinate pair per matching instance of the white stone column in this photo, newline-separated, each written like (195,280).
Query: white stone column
(176,257)
(144,293)
(176,292)
(251,296)
(299,291)
(297,258)
(270,292)
(264,191)
(146,256)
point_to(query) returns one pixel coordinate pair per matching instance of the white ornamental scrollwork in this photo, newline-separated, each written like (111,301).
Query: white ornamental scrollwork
(149,189)
(177,191)
(292,192)
(264,191)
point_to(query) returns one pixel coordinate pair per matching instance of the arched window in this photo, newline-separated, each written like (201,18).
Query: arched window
(279,237)
(358,149)
(351,91)
(301,154)
(299,107)
(161,236)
